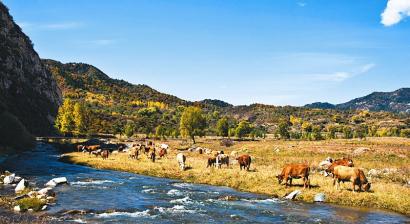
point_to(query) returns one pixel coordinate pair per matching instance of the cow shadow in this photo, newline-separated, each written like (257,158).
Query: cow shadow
(301,185)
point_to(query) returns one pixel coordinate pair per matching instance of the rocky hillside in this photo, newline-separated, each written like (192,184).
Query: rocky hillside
(396,101)
(27,90)
(79,80)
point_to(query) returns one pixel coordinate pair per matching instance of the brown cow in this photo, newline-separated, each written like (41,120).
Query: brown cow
(244,162)
(91,148)
(104,154)
(162,153)
(211,162)
(354,175)
(295,171)
(339,162)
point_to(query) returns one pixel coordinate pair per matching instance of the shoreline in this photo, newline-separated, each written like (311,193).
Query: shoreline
(384,196)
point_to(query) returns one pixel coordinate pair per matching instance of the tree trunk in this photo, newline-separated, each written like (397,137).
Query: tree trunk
(193,138)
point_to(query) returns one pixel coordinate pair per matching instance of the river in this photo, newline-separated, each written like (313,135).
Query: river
(120,197)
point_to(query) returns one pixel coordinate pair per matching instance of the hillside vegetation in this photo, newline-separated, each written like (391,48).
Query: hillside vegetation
(119,107)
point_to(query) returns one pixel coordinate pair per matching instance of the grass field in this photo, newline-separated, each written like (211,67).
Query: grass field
(268,158)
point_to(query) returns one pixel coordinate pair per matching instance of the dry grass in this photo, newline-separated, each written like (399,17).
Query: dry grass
(269,157)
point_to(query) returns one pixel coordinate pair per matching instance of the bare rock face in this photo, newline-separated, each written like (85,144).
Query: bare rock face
(27,89)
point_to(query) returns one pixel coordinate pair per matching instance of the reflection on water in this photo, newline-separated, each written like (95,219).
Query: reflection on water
(118,197)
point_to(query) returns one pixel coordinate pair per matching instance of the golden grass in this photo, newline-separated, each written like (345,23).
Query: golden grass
(268,157)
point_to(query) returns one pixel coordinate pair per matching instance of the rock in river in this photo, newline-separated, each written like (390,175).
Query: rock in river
(321,197)
(293,195)
(9,179)
(56,181)
(21,186)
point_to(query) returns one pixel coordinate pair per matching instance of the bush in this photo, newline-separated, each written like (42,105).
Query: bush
(13,134)
(405,133)
(31,203)
(226,142)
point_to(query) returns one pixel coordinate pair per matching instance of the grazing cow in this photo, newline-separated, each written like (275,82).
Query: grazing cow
(162,153)
(104,154)
(244,162)
(352,174)
(80,148)
(234,154)
(295,171)
(211,162)
(222,159)
(181,158)
(339,162)
(91,148)
(152,156)
(200,151)
(133,153)
(96,152)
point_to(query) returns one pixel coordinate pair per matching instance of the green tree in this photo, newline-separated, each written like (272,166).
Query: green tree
(243,129)
(331,131)
(80,117)
(306,130)
(129,129)
(160,131)
(193,123)
(347,132)
(231,132)
(283,130)
(223,127)
(317,132)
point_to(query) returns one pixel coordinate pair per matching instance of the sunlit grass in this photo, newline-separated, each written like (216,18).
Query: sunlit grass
(268,157)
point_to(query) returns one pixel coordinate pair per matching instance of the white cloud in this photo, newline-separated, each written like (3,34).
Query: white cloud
(341,76)
(395,11)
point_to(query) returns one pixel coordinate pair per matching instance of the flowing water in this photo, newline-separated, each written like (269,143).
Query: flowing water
(120,197)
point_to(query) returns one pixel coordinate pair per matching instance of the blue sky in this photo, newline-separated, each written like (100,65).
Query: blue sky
(287,52)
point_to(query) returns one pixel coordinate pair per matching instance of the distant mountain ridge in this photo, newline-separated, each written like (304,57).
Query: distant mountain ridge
(395,101)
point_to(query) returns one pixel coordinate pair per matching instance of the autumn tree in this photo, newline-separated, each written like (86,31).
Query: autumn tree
(65,119)
(223,127)
(193,123)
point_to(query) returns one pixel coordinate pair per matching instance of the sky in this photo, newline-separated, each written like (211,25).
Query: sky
(282,52)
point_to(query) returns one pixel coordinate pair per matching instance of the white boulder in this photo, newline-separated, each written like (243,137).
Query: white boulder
(56,181)
(293,195)
(21,186)
(9,179)
(321,197)
(17,208)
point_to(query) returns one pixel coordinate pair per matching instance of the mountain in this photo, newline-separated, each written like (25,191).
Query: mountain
(79,80)
(28,91)
(321,105)
(396,101)
(216,103)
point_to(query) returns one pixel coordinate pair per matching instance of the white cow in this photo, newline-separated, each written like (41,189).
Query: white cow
(181,158)
(222,159)
(164,146)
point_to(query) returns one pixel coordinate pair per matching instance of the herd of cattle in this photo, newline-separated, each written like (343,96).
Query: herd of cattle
(342,170)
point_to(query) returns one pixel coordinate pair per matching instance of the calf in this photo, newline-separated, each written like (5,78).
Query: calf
(222,159)
(211,162)
(104,154)
(339,162)
(244,162)
(295,171)
(354,175)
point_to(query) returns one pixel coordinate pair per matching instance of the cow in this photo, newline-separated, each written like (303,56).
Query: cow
(164,146)
(244,162)
(181,158)
(339,162)
(211,162)
(96,152)
(152,156)
(294,171)
(104,154)
(146,150)
(200,151)
(162,153)
(133,153)
(352,174)
(222,159)
(91,148)
(80,148)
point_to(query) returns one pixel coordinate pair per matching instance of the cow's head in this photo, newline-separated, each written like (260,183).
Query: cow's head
(280,178)
(366,186)
(350,163)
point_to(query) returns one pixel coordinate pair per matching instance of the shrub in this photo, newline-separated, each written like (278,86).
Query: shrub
(30,203)
(405,133)
(226,142)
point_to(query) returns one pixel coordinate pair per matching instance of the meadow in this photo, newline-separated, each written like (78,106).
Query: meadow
(389,190)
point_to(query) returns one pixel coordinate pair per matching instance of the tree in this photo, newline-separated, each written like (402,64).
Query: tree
(223,127)
(405,133)
(243,129)
(129,129)
(347,132)
(283,130)
(80,117)
(331,131)
(307,130)
(193,122)
(316,132)
(231,132)
(65,120)
(160,131)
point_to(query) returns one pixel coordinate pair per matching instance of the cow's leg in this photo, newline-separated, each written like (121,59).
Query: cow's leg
(290,181)
(286,180)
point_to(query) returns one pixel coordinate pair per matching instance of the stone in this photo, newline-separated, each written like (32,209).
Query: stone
(9,179)
(45,191)
(17,179)
(293,195)
(17,208)
(321,197)
(56,181)
(30,210)
(21,186)
(44,208)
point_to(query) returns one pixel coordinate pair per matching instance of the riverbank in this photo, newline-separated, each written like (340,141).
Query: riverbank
(389,191)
